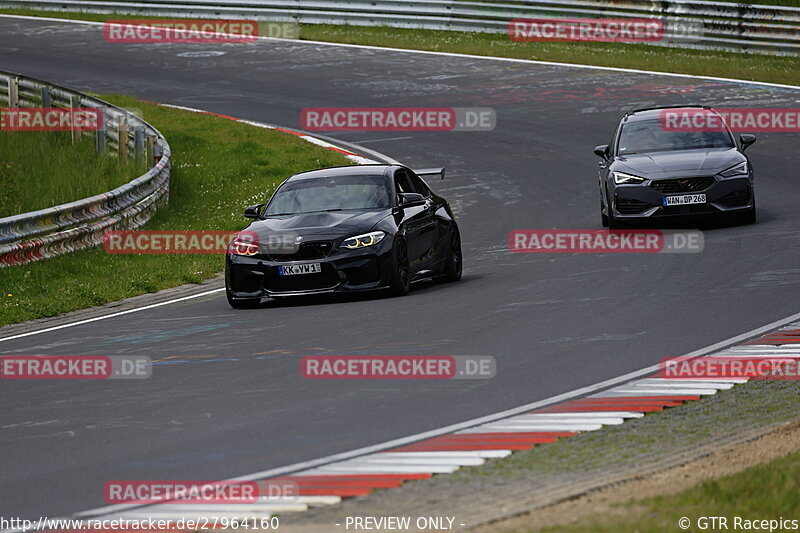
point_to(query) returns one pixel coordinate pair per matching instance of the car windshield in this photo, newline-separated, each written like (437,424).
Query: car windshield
(649,136)
(340,193)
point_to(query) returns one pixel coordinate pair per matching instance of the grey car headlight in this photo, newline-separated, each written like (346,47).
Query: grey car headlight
(621,177)
(739,169)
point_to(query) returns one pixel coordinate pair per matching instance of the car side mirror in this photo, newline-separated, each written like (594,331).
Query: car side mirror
(601,151)
(746,139)
(253,211)
(410,199)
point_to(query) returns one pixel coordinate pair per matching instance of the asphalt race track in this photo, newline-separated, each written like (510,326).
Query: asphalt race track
(227,397)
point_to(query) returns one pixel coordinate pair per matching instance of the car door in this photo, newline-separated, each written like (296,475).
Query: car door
(440,230)
(418,221)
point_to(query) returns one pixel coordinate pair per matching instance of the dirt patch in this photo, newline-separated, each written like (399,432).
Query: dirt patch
(603,503)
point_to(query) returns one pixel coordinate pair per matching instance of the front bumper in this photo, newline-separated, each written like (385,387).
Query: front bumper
(723,196)
(258,276)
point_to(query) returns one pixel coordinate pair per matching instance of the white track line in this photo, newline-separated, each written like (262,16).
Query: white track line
(589,415)
(422,461)
(486,454)
(532,427)
(655,392)
(547,419)
(231,507)
(383,469)
(688,384)
(111,315)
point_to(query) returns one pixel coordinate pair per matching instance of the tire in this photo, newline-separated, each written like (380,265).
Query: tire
(454,261)
(401,272)
(603,216)
(242,303)
(613,222)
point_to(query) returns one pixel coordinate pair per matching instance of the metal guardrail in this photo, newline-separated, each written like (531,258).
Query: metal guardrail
(689,23)
(81,224)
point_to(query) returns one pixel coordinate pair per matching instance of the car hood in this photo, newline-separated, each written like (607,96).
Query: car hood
(679,163)
(320,225)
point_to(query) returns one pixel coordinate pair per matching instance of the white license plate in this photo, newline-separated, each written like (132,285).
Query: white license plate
(293,270)
(685,199)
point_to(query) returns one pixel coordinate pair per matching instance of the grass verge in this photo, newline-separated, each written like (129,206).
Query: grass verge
(763,492)
(43,169)
(219,167)
(755,67)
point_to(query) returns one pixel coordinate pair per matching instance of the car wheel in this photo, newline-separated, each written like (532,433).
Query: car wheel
(453,262)
(613,222)
(603,216)
(401,276)
(242,303)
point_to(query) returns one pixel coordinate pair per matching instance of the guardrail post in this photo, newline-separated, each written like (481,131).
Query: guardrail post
(122,138)
(13,92)
(138,145)
(74,103)
(158,153)
(102,132)
(150,143)
(47,98)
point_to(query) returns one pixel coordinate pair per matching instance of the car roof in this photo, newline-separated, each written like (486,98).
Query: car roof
(653,113)
(346,170)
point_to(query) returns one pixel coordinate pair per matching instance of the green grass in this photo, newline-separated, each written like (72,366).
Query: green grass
(755,67)
(767,491)
(43,169)
(219,167)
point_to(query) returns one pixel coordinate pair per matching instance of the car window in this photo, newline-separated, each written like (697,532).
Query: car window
(330,194)
(644,136)
(402,183)
(419,185)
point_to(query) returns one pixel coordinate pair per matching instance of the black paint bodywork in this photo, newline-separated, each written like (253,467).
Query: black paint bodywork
(424,226)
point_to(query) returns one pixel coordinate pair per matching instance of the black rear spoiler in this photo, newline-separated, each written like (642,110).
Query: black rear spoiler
(430,172)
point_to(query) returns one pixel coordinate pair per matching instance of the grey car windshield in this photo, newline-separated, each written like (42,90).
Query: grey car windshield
(339,193)
(649,136)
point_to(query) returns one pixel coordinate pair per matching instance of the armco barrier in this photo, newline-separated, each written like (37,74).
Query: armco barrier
(688,23)
(68,227)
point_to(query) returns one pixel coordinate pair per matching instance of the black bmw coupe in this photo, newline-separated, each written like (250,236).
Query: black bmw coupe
(340,229)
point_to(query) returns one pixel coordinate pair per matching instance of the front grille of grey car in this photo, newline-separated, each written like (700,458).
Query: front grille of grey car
(676,185)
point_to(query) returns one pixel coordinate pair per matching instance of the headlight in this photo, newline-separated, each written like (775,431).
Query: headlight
(362,241)
(240,246)
(621,177)
(735,170)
